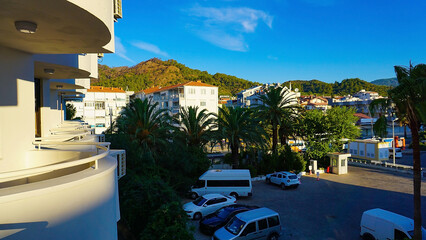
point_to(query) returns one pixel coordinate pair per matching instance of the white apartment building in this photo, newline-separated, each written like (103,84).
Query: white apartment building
(203,95)
(101,106)
(250,97)
(58,180)
(360,100)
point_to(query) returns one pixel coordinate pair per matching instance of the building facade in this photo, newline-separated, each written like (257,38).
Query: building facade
(58,180)
(101,106)
(172,98)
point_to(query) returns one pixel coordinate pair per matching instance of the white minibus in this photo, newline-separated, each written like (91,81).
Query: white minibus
(231,182)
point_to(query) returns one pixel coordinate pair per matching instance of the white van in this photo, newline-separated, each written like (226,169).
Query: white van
(398,153)
(261,224)
(226,182)
(378,224)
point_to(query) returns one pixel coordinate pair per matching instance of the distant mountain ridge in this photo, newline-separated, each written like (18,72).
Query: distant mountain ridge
(156,72)
(386,82)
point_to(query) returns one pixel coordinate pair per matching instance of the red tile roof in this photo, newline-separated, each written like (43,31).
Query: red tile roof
(361,115)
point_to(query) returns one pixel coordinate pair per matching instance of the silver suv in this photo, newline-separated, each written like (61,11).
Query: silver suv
(261,223)
(283,179)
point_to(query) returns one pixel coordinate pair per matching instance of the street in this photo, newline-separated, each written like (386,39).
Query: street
(331,208)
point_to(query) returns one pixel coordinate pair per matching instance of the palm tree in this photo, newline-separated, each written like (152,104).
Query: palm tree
(381,106)
(196,126)
(277,103)
(410,99)
(144,124)
(238,125)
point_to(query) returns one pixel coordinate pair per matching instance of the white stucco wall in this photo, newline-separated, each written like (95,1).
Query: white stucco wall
(17,116)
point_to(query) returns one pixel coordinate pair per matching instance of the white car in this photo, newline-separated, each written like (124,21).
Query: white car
(209,203)
(283,179)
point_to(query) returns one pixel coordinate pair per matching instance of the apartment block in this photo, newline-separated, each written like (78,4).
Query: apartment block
(58,179)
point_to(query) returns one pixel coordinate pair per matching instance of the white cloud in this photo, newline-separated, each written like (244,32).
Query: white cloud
(150,48)
(120,50)
(225,27)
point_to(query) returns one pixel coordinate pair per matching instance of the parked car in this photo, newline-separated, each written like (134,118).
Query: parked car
(207,204)
(378,224)
(283,179)
(398,153)
(261,223)
(212,222)
(233,182)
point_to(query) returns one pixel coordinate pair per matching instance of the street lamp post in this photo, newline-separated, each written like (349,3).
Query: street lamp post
(393,140)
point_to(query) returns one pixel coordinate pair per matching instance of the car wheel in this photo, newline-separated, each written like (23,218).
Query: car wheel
(268,181)
(367,236)
(296,186)
(197,216)
(234,195)
(273,236)
(194,195)
(283,186)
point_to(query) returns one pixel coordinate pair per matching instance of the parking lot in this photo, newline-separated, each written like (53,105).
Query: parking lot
(331,208)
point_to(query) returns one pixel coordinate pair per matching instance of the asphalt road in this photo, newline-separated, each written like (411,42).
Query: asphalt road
(332,207)
(407,158)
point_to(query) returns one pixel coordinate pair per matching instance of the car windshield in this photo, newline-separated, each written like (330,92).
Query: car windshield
(292,176)
(199,201)
(224,212)
(199,184)
(235,225)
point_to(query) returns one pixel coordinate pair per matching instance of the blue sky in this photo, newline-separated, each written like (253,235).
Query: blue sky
(275,40)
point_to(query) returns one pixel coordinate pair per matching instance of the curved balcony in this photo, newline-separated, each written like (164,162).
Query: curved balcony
(68,190)
(74,26)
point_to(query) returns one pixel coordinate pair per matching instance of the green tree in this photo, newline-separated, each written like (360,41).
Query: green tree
(70,111)
(410,100)
(145,124)
(196,126)
(277,104)
(382,107)
(238,125)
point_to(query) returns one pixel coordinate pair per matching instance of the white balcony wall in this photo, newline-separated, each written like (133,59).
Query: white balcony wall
(83,205)
(89,62)
(17,117)
(203,97)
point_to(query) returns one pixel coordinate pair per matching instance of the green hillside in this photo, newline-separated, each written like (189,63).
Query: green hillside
(347,86)
(156,72)
(386,82)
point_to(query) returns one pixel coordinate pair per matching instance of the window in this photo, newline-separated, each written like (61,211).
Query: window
(89,104)
(273,221)
(399,235)
(343,163)
(262,224)
(250,228)
(100,105)
(200,184)
(280,176)
(212,91)
(203,91)
(228,183)
(202,103)
(220,200)
(211,202)
(191,91)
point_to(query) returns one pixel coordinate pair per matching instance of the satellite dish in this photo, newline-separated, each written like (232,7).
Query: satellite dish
(296,90)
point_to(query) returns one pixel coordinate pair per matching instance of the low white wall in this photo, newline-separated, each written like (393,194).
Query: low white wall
(83,206)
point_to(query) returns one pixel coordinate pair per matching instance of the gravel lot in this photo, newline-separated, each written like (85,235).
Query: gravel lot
(332,207)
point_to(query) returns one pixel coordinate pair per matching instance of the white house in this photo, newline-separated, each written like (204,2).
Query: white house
(58,180)
(250,97)
(101,106)
(203,95)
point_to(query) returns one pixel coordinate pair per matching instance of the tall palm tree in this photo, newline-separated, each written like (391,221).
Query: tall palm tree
(277,103)
(410,99)
(197,126)
(238,125)
(144,124)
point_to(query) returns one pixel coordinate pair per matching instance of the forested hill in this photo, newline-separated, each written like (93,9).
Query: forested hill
(347,86)
(155,72)
(386,82)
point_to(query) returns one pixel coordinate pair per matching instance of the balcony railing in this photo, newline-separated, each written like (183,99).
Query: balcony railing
(102,150)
